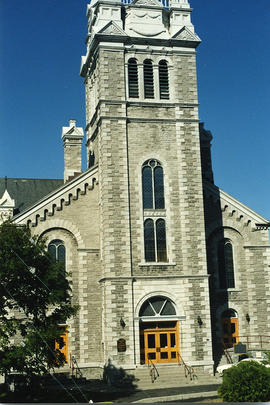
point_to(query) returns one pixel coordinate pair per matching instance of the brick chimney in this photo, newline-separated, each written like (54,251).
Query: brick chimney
(72,137)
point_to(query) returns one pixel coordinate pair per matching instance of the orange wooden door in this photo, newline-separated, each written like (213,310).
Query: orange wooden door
(230,332)
(161,345)
(168,348)
(62,344)
(151,345)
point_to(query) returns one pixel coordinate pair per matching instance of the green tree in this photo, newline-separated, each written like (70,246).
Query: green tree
(35,297)
(248,381)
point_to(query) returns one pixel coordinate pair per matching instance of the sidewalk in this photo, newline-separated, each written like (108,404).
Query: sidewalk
(170,394)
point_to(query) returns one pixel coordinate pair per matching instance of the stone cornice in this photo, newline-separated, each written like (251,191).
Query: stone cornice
(253,247)
(88,250)
(103,41)
(148,104)
(154,277)
(169,121)
(59,198)
(138,119)
(235,204)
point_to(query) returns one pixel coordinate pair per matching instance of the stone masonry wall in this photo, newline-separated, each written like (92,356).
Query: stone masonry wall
(78,226)
(114,206)
(128,133)
(251,253)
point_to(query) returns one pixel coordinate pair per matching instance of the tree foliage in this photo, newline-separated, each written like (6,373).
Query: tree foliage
(35,297)
(248,381)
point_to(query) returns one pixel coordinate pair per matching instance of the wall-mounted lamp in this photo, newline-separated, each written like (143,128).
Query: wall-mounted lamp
(247,318)
(200,322)
(122,323)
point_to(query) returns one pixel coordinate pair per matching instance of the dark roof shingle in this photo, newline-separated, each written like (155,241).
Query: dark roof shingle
(26,192)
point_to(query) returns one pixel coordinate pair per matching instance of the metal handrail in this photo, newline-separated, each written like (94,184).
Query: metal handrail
(227,354)
(258,339)
(189,371)
(74,367)
(251,340)
(154,374)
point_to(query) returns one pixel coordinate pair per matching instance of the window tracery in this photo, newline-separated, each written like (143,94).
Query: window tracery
(157,306)
(57,251)
(155,249)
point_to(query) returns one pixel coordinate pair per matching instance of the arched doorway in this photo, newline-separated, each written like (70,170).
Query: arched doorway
(230,328)
(61,344)
(159,331)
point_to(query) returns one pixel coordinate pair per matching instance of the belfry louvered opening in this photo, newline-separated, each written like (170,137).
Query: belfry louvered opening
(163,80)
(133,87)
(148,79)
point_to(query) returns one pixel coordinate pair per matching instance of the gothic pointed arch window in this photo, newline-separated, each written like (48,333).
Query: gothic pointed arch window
(148,78)
(133,85)
(155,248)
(163,73)
(57,251)
(226,264)
(153,185)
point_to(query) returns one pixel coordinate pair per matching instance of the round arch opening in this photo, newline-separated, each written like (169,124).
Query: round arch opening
(230,328)
(159,331)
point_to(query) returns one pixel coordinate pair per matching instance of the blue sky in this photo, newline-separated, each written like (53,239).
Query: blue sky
(41,42)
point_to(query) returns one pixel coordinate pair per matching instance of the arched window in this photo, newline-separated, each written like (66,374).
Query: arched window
(163,80)
(152,185)
(57,251)
(229,313)
(133,87)
(157,306)
(155,249)
(148,79)
(226,264)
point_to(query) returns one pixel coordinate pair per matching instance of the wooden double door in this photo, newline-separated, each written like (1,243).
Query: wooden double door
(161,343)
(230,332)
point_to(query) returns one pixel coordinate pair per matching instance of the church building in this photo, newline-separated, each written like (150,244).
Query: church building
(165,266)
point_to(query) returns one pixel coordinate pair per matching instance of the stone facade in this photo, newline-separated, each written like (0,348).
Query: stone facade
(99,215)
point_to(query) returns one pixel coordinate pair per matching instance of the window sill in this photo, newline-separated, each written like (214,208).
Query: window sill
(228,290)
(164,264)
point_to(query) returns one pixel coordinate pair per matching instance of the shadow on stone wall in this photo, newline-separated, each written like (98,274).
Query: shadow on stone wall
(118,377)
(218,298)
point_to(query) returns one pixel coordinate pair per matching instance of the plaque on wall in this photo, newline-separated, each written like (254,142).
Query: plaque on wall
(121,345)
(239,348)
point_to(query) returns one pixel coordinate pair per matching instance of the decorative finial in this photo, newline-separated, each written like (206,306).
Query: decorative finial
(72,122)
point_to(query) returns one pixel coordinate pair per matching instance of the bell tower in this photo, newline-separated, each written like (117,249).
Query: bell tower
(143,130)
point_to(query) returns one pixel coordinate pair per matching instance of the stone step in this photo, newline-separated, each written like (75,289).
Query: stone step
(171,376)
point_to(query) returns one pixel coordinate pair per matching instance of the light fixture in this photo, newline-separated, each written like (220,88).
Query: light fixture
(122,323)
(247,318)
(200,322)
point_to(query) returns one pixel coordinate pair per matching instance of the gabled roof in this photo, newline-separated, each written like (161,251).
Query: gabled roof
(228,200)
(26,192)
(55,200)
(111,28)
(6,201)
(185,34)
